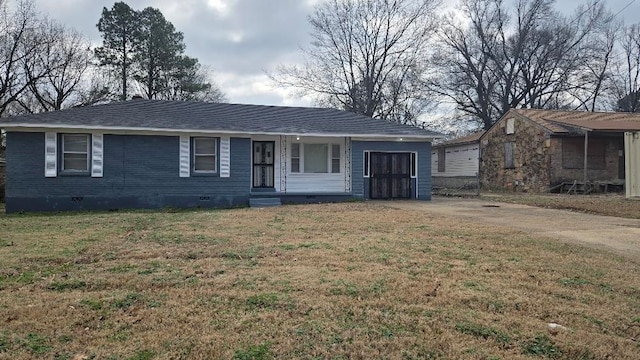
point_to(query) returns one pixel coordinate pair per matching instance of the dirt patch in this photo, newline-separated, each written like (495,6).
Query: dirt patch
(618,235)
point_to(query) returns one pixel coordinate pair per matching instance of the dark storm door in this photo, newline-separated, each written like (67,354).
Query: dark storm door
(263,160)
(390,176)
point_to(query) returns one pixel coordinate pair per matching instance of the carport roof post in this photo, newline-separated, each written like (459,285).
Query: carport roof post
(586,153)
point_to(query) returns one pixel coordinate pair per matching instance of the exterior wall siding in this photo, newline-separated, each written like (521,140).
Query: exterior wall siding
(143,171)
(139,172)
(460,161)
(360,184)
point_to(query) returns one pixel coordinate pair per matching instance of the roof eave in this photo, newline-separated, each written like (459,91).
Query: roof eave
(114,129)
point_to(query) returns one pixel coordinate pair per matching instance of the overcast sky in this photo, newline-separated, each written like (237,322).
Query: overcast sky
(241,39)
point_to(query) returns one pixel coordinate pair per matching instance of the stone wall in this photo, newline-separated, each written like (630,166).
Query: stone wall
(530,171)
(613,148)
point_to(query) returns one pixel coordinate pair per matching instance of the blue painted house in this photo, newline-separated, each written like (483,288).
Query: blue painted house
(151,153)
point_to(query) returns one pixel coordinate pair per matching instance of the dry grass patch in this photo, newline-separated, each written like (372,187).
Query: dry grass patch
(305,282)
(607,204)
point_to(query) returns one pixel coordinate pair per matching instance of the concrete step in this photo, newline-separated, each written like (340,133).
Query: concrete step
(264,202)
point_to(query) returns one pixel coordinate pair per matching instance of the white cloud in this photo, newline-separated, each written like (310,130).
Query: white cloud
(238,39)
(258,89)
(221,6)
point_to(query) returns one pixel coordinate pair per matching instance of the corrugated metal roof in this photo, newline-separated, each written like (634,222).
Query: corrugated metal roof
(162,115)
(560,121)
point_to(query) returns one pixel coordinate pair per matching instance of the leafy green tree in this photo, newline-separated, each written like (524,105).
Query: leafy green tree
(120,35)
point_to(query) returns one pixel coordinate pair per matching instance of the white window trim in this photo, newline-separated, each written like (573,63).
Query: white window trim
(214,154)
(330,157)
(414,165)
(366,164)
(88,153)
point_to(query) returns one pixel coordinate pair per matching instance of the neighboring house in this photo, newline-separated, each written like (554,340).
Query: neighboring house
(454,163)
(149,154)
(538,150)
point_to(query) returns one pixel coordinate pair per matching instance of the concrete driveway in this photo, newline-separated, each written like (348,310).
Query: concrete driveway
(618,235)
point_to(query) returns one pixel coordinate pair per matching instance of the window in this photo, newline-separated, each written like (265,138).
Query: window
(204,155)
(75,152)
(295,158)
(441,159)
(509,150)
(335,158)
(573,154)
(310,158)
(315,158)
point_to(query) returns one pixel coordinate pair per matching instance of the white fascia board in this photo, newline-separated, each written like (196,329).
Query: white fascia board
(178,132)
(397,138)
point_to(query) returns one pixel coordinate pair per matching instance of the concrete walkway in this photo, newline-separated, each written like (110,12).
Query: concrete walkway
(618,235)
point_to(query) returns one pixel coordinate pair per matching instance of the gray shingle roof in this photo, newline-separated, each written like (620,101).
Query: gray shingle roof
(564,121)
(472,138)
(211,117)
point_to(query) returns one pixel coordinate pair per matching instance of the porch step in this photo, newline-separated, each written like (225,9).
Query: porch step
(264,202)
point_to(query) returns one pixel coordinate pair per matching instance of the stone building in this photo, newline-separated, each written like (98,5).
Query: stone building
(536,150)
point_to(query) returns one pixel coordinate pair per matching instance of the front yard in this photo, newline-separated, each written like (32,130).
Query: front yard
(306,282)
(604,204)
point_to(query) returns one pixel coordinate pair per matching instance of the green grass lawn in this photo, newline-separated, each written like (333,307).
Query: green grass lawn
(336,281)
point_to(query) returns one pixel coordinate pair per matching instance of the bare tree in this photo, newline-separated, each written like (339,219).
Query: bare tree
(567,52)
(44,66)
(469,71)
(592,86)
(57,71)
(502,58)
(366,56)
(626,78)
(18,44)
